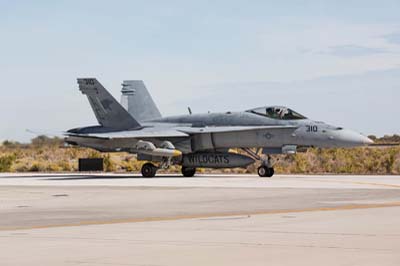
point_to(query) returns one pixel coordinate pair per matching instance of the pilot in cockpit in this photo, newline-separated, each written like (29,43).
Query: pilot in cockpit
(277,112)
(282,112)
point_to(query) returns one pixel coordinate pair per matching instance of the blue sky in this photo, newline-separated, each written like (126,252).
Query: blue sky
(336,61)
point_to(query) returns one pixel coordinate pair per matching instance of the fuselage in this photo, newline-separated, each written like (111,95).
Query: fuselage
(306,133)
(309,132)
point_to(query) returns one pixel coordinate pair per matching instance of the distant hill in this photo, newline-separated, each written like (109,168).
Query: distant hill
(395,139)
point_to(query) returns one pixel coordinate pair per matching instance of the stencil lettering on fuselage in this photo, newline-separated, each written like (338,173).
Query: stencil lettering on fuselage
(204,159)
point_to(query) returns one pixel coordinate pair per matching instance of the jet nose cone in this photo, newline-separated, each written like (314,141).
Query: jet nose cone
(356,139)
(349,138)
(368,141)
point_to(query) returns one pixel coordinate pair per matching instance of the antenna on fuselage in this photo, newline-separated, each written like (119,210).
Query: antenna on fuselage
(190,110)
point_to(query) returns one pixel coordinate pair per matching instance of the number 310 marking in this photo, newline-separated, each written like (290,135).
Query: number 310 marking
(312,128)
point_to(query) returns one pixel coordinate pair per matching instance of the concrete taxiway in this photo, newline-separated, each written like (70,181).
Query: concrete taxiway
(109,219)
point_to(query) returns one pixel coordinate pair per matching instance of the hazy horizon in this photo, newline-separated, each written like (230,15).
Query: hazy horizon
(334,62)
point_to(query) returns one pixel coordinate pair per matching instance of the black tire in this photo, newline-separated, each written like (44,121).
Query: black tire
(149,170)
(264,171)
(271,172)
(188,172)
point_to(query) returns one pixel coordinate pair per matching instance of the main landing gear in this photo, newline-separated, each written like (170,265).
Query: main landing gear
(266,169)
(188,172)
(150,170)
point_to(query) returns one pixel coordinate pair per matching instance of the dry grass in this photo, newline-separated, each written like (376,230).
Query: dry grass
(48,155)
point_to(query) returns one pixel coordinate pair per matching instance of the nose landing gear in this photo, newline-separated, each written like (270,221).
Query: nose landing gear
(264,171)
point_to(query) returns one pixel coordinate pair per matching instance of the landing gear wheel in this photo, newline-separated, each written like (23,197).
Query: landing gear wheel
(271,172)
(149,170)
(264,171)
(188,172)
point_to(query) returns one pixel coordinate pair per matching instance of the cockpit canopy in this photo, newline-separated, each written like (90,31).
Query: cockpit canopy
(277,112)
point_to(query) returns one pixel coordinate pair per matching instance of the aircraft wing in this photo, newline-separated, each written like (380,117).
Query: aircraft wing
(177,132)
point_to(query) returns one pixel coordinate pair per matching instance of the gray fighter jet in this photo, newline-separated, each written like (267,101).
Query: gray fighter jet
(199,140)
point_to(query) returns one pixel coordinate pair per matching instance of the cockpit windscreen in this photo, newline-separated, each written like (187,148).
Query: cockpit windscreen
(281,113)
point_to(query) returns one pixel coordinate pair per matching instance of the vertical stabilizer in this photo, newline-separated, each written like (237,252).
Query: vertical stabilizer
(108,111)
(137,100)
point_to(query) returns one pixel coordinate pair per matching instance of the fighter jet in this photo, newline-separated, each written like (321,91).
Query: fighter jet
(194,141)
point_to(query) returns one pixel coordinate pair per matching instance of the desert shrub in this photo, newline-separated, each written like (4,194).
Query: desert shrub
(13,145)
(396,165)
(109,165)
(44,154)
(251,169)
(136,165)
(52,167)
(41,141)
(36,167)
(6,162)
(72,153)
(127,166)
(94,154)
(65,166)
(301,163)
(20,168)
(201,170)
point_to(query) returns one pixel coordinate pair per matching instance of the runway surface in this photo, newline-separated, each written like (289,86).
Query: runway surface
(109,219)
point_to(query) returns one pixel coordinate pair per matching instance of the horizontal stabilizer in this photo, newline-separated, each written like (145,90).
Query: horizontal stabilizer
(133,134)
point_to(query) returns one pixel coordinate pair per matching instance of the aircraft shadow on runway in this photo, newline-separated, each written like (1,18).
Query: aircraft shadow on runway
(100,176)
